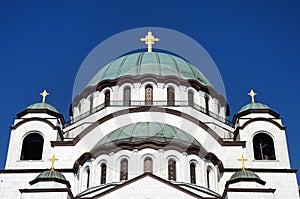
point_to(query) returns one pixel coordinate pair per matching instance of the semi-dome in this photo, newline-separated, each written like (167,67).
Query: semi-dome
(254,106)
(244,174)
(155,63)
(148,131)
(42,106)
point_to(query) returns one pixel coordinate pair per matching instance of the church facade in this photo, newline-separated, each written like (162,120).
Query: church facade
(148,125)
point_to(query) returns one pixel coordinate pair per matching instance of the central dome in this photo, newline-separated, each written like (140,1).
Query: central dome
(155,63)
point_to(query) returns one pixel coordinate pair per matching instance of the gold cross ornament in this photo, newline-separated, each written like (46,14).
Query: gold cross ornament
(53,159)
(44,94)
(149,39)
(252,94)
(243,160)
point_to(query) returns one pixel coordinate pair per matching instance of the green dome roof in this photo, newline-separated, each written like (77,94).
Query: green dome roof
(49,174)
(246,174)
(155,63)
(151,131)
(43,106)
(254,106)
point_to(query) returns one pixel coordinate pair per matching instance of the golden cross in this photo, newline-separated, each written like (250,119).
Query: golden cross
(149,39)
(53,159)
(44,94)
(243,159)
(252,95)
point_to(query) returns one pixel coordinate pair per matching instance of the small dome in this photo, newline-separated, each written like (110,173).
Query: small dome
(254,106)
(246,174)
(155,63)
(40,106)
(49,174)
(149,131)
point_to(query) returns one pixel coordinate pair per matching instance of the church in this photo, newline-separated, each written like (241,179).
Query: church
(148,125)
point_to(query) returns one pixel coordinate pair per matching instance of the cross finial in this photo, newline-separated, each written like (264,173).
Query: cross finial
(243,160)
(252,95)
(53,159)
(149,39)
(44,94)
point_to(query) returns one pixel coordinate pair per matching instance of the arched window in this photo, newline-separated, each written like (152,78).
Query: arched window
(127,96)
(86,178)
(191,98)
(103,173)
(148,165)
(206,105)
(91,103)
(218,107)
(124,169)
(193,173)
(172,169)
(170,96)
(79,108)
(263,146)
(107,98)
(210,178)
(32,147)
(148,95)
(207,177)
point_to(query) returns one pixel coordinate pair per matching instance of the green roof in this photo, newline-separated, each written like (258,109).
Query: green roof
(155,63)
(254,106)
(49,174)
(152,131)
(38,106)
(244,174)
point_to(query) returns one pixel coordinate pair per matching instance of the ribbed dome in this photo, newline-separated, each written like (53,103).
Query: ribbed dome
(254,106)
(150,131)
(51,175)
(42,106)
(155,63)
(246,174)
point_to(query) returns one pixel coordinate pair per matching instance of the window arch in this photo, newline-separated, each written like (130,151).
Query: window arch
(148,165)
(126,96)
(206,104)
(124,169)
(193,173)
(172,169)
(103,174)
(190,98)
(148,95)
(107,98)
(170,96)
(32,147)
(263,146)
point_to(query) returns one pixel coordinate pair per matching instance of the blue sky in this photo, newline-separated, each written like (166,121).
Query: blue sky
(255,45)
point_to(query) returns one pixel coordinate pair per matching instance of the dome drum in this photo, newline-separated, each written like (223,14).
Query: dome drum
(143,135)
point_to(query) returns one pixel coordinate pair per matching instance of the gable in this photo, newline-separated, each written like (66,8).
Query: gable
(144,186)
